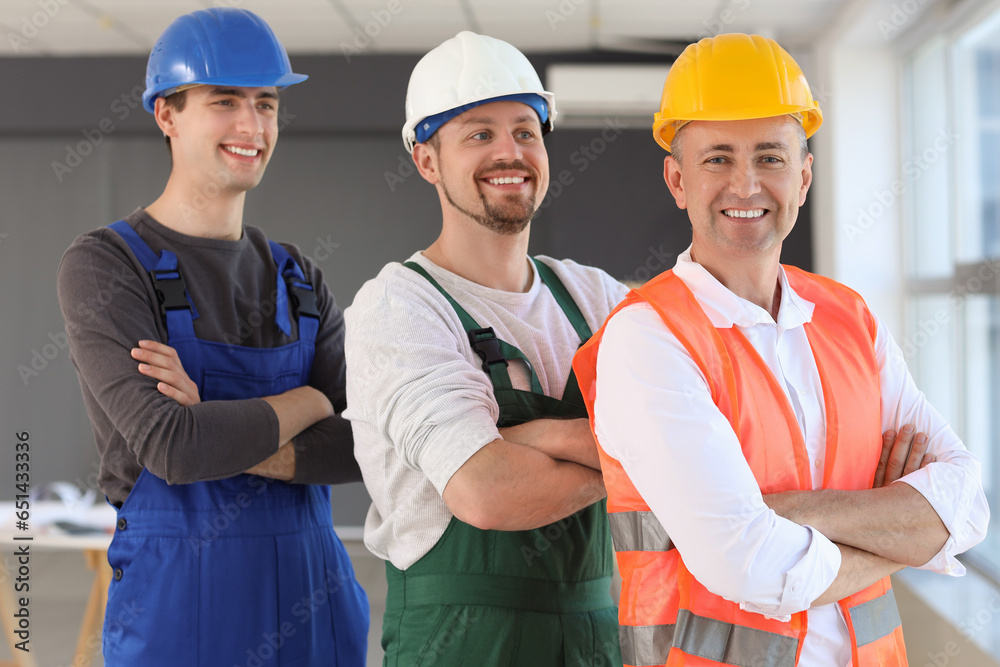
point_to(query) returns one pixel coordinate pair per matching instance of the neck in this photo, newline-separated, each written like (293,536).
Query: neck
(197,210)
(493,260)
(753,277)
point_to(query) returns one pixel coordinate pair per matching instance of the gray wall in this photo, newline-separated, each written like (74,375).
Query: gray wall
(339,186)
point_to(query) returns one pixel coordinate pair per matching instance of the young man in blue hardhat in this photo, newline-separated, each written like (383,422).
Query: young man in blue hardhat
(468,423)
(213,379)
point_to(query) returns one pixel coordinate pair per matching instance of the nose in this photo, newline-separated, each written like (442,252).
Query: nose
(744,180)
(248,120)
(506,148)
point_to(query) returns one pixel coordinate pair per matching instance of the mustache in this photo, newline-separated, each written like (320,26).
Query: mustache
(507,166)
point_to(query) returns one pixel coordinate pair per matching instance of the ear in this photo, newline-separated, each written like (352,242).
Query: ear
(672,176)
(807,177)
(426,159)
(166,117)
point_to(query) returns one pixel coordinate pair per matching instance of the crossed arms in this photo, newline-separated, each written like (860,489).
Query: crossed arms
(816,546)
(192,441)
(296,409)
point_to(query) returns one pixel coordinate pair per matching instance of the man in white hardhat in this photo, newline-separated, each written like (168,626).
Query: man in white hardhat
(468,422)
(739,403)
(217,430)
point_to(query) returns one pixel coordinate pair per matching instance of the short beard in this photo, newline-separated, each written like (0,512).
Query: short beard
(499,219)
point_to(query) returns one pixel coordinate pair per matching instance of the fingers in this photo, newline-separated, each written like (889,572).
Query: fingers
(158,347)
(918,450)
(174,393)
(888,438)
(175,385)
(902,453)
(161,362)
(156,354)
(898,455)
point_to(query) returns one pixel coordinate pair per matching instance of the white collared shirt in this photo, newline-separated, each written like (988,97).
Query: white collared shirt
(655,415)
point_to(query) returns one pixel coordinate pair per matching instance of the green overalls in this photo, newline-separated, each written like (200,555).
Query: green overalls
(521,598)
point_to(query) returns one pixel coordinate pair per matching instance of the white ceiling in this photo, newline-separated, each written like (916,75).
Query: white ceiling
(130,27)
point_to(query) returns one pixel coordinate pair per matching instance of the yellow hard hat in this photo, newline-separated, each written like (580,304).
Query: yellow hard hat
(733,77)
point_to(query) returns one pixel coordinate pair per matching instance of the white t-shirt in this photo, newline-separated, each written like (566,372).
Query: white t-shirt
(419,402)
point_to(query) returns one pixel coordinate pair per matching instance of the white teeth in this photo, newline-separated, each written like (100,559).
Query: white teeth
(737,213)
(248,152)
(507,180)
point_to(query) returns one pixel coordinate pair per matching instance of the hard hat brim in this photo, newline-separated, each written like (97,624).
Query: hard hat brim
(248,81)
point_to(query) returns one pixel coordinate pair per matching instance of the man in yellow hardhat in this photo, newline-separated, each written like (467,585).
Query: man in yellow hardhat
(731,386)
(487,499)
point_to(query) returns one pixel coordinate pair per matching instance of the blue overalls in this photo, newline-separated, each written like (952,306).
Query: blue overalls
(245,571)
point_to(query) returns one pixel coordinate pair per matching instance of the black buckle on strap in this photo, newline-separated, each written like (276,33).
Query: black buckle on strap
(169,291)
(485,343)
(303,300)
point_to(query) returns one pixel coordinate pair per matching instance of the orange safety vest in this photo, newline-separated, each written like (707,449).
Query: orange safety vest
(666,617)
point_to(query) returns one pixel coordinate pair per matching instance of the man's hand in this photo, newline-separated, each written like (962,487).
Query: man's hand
(280,465)
(161,362)
(902,453)
(561,439)
(891,520)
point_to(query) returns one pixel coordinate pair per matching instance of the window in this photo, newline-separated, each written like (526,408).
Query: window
(951,90)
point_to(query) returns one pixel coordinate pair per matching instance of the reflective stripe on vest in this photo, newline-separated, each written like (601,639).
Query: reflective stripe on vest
(724,643)
(638,531)
(875,619)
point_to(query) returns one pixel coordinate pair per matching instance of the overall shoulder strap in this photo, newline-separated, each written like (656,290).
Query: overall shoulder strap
(171,290)
(292,281)
(563,298)
(493,351)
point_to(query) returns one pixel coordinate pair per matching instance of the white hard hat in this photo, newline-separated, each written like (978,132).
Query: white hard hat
(463,72)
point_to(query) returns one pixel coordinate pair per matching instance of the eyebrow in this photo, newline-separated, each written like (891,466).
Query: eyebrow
(240,93)
(488,120)
(762,146)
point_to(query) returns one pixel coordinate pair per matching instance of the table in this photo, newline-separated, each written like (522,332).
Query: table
(45,536)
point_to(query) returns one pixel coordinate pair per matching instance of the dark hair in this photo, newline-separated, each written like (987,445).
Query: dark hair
(177,101)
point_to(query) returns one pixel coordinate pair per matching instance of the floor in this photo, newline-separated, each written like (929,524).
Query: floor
(61,583)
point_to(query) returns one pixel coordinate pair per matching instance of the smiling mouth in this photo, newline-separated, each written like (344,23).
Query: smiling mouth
(744,213)
(506,180)
(245,152)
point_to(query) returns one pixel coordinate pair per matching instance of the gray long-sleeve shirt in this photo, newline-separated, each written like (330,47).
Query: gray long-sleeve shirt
(107,300)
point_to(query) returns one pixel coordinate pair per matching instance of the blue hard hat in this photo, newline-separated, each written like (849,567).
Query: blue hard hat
(220,46)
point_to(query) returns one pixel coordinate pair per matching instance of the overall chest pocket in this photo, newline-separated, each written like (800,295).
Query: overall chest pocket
(224,386)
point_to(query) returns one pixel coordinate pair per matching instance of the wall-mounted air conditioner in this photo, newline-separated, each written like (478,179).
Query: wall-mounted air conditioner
(589,95)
